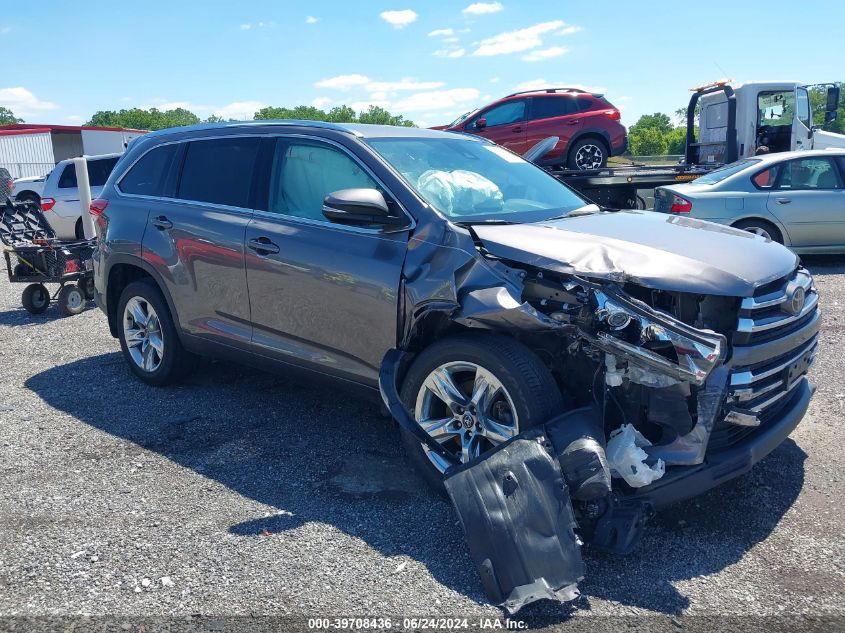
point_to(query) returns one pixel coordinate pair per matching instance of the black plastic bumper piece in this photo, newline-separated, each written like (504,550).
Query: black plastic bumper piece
(686,482)
(514,507)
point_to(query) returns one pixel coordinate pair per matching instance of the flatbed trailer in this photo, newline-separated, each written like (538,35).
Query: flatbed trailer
(621,187)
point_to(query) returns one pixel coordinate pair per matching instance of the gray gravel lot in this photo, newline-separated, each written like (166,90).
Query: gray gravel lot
(245,493)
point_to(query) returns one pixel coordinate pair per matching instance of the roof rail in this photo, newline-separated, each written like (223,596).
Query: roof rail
(549,90)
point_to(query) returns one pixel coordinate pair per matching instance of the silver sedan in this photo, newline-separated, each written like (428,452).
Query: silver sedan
(795,198)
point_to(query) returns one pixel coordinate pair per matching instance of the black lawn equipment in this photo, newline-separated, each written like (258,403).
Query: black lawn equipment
(35,256)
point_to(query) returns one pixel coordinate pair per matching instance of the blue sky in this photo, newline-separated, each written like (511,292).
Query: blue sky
(427,59)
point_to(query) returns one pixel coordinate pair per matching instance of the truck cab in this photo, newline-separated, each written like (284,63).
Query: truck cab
(775,114)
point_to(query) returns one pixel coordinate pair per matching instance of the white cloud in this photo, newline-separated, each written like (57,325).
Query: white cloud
(311,20)
(257,25)
(480,8)
(495,80)
(451,40)
(569,30)
(5,29)
(539,84)
(452,53)
(402,84)
(321,102)
(23,103)
(441,32)
(363,106)
(74,119)
(436,100)
(239,110)
(344,82)
(399,19)
(516,41)
(546,53)
(348,82)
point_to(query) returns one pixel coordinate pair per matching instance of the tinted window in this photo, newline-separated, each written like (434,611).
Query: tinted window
(509,112)
(718,175)
(809,173)
(303,174)
(219,171)
(68,178)
(148,176)
(100,170)
(585,103)
(546,107)
(98,173)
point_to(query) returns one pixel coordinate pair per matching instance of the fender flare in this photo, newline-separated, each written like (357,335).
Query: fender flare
(137,262)
(590,131)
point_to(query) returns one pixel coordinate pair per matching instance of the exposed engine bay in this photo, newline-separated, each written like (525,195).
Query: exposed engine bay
(646,356)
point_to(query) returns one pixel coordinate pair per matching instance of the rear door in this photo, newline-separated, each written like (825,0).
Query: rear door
(504,124)
(552,116)
(323,295)
(809,200)
(195,239)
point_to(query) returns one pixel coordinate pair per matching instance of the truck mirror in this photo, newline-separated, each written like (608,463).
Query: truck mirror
(832,101)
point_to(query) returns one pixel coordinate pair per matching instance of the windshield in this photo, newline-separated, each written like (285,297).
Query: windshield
(472,181)
(718,175)
(462,118)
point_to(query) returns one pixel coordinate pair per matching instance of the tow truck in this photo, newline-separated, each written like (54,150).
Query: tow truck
(734,121)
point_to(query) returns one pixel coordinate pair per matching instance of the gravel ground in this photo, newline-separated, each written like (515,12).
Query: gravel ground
(242,493)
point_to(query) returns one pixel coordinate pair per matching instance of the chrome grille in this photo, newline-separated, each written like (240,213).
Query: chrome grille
(768,315)
(773,347)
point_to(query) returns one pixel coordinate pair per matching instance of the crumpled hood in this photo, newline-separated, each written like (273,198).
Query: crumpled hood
(664,252)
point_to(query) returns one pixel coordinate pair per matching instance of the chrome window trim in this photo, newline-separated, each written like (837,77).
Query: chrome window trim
(272,214)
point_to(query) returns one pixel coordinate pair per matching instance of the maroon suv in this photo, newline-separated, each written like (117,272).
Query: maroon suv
(587,125)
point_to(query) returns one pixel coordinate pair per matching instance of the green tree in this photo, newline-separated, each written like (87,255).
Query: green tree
(152,119)
(649,141)
(7,116)
(657,121)
(339,114)
(818,102)
(676,140)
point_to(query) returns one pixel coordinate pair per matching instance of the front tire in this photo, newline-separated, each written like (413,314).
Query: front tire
(148,336)
(71,300)
(471,393)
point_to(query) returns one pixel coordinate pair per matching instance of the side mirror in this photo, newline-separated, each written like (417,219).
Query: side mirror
(481,123)
(832,100)
(360,207)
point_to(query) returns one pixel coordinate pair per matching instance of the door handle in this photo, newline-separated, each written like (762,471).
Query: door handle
(518,128)
(783,200)
(263,246)
(575,122)
(161,223)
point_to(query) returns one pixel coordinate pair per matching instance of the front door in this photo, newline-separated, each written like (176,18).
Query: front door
(802,125)
(504,124)
(322,295)
(195,240)
(809,200)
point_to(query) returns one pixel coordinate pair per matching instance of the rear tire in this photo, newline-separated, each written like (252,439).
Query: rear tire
(525,383)
(79,230)
(71,300)
(762,228)
(587,153)
(86,285)
(153,352)
(35,298)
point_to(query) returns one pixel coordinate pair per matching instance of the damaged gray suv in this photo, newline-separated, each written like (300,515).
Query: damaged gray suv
(560,369)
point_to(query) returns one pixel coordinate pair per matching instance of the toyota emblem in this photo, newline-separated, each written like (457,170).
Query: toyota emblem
(795,300)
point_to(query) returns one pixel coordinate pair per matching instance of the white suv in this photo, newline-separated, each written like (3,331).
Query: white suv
(60,198)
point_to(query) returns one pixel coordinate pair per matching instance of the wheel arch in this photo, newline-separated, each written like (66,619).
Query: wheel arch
(596,133)
(27,193)
(122,272)
(784,234)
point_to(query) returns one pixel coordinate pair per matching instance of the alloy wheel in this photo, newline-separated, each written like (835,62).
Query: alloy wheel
(467,409)
(758,230)
(143,335)
(589,156)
